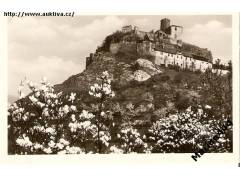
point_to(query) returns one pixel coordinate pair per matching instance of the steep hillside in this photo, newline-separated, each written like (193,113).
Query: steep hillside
(154,91)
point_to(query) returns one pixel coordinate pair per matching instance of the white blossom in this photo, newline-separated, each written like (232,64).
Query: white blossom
(47,150)
(37,146)
(37,94)
(33,99)
(86,115)
(208,107)
(45,112)
(66,109)
(73,117)
(24,141)
(73,150)
(64,142)
(73,108)
(72,97)
(116,150)
(51,144)
(50,130)
(103,113)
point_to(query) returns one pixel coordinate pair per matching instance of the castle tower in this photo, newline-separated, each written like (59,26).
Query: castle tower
(175,33)
(165,24)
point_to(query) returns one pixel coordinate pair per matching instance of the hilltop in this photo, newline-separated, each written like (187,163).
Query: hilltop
(140,77)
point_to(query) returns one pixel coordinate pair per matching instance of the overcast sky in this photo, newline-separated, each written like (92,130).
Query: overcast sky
(56,47)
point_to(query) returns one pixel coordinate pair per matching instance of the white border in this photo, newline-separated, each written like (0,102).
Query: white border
(227,159)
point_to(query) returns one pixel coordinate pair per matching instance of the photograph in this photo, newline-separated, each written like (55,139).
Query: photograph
(104,84)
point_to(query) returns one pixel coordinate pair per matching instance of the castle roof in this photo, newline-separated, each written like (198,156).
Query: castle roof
(201,58)
(166,50)
(149,37)
(127,26)
(196,52)
(187,54)
(175,26)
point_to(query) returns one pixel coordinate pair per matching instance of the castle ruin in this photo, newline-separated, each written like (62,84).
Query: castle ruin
(165,46)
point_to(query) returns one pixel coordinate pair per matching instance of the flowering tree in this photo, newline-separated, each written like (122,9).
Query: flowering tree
(217,92)
(186,132)
(49,122)
(37,123)
(131,141)
(102,92)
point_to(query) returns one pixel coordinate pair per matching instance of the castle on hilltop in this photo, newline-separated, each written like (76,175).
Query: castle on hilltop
(165,46)
(166,31)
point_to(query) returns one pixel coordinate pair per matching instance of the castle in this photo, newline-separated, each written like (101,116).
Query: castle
(165,46)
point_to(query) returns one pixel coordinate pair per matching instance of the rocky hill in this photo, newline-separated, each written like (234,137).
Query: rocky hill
(153,90)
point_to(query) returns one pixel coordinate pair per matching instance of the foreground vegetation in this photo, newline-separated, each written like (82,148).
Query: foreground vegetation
(178,114)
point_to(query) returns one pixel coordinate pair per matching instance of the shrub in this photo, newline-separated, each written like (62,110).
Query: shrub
(160,78)
(187,132)
(178,78)
(181,102)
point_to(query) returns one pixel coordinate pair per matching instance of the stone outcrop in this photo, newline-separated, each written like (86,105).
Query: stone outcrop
(145,69)
(140,75)
(147,66)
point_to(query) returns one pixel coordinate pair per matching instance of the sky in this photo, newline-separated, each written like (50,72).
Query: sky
(56,47)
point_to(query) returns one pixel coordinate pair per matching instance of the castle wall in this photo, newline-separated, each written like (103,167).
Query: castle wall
(160,57)
(175,34)
(126,29)
(166,59)
(188,62)
(146,48)
(170,59)
(125,46)
(89,59)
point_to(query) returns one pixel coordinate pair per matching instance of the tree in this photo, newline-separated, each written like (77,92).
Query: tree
(102,92)
(217,92)
(186,132)
(49,122)
(37,123)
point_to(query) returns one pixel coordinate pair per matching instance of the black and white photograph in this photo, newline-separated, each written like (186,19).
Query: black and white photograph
(103,84)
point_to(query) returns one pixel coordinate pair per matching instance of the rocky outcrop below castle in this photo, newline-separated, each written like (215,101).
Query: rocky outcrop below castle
(122,72)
